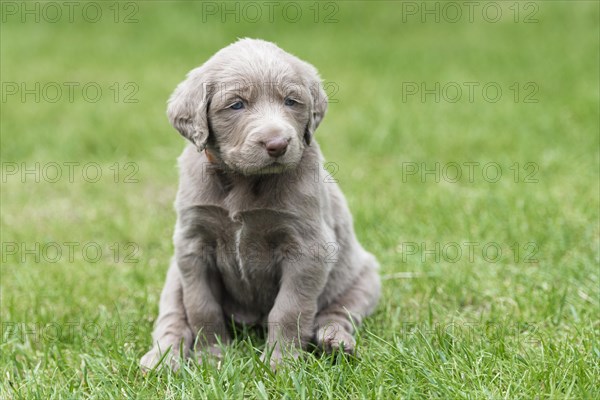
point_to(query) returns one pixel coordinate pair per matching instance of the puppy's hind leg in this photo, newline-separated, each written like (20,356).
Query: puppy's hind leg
(334,325)
(171,331)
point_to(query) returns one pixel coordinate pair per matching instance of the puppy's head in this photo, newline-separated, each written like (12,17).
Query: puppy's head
(253,105)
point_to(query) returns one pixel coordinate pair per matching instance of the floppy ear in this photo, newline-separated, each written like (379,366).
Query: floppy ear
(187,108)
(318,106)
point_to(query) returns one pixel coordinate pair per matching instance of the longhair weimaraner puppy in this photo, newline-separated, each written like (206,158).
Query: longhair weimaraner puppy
(263,236)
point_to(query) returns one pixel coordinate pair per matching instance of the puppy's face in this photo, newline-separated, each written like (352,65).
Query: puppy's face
(255,106)
(259,123)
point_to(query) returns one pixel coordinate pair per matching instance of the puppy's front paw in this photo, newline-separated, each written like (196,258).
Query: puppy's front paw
(333,337)
(213,351)
(279,355)
(152,358)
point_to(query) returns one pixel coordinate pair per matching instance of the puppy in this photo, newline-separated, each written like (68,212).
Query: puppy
(263,233)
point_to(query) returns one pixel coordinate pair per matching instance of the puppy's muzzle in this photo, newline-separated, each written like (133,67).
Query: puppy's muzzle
(277,146)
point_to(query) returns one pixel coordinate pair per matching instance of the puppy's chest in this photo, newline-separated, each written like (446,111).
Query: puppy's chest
(248,250)
(248,258)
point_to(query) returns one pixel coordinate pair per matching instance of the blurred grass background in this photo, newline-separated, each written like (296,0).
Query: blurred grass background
(509,328)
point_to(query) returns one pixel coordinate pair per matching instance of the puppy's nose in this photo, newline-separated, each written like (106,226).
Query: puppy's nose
(276,147)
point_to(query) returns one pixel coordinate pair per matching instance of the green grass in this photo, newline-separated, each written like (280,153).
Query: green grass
(474,328)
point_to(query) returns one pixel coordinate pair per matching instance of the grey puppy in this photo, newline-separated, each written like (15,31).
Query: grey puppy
(263,234)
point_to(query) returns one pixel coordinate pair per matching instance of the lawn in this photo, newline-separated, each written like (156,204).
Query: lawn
(465,138)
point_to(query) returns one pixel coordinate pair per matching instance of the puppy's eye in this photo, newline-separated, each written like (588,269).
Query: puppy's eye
(290,102)
(238,105)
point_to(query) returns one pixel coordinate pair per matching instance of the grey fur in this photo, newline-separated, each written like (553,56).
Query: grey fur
(255,242)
